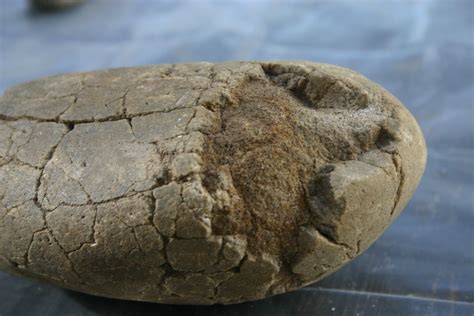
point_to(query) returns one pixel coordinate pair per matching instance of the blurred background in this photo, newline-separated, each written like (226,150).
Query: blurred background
(421,51)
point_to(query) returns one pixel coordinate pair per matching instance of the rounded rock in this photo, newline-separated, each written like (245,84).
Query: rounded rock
(200,183)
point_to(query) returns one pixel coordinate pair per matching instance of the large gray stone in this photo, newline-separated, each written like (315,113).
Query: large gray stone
(200,183)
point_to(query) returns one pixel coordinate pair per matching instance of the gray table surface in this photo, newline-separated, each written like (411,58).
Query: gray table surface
(422,51)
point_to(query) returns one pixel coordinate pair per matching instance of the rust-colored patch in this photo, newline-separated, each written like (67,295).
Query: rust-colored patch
(260,141)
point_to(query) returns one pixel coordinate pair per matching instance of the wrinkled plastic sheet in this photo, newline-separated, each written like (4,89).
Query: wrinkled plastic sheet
(422,51)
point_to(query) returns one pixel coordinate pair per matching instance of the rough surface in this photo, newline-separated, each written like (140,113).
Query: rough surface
(200,183)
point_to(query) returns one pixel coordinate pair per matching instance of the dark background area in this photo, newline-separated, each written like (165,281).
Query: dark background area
(422,51)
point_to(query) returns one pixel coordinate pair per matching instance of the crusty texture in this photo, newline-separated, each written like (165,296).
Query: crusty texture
(200,183)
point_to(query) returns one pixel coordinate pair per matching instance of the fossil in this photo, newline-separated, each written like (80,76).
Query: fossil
(200,183)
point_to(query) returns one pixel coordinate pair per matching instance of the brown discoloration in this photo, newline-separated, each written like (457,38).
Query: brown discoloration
(200,183)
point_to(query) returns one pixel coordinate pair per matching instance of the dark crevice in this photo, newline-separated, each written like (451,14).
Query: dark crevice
(401,180)
(308,91)
(385,139)
(325,208)
(67,122)
(70,126)
(387,142)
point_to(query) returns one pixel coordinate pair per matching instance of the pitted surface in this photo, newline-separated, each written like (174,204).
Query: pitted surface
(200,183)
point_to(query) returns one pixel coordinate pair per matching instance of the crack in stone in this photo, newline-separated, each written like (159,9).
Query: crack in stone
(71,263)
(66,122)
(401,180)
(189,122)
(358,247)
(376,166)
(58,117)
(79,183)
(91,203)
(49,158)
(27,253)
(152,208)
(93,241)
(334,242)
(16,162)
(297,92)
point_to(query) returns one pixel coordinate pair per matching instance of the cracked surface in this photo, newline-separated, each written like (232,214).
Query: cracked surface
(200,183)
